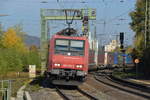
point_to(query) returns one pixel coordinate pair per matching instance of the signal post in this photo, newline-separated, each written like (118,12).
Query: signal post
(122,49)
(136,61)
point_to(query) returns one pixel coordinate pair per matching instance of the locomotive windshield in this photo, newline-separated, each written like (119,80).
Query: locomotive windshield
(74,47)
(62,45)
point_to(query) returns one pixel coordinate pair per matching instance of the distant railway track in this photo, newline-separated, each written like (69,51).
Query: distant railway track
(75,94)
(122,85)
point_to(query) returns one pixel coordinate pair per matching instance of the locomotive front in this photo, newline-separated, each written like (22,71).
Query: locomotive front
(68,59)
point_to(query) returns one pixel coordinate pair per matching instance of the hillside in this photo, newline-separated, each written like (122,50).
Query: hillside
(31,40)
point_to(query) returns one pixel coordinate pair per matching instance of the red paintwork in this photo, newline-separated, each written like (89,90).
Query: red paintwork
(68,62)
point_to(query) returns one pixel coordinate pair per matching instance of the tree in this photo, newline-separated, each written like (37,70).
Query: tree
(138,26)
(14,55)
(3,64)
(19,30)
(129,49)
(1,29)
(11,52)
(11,40)
(33,48)
(33,56)
(1,33)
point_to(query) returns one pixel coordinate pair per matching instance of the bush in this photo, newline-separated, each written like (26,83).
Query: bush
(10,61)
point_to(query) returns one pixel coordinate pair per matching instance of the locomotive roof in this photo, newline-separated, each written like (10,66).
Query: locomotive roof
(70,37)
(67,32)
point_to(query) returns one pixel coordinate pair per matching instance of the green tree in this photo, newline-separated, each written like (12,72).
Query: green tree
(19,30)
(14,55)
(33,57)
(11,52)
(138,26)
(1,29)
(3,64)
(1,33)
(129,49)
(10,60)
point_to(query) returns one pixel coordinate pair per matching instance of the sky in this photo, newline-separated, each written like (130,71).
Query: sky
(114,13)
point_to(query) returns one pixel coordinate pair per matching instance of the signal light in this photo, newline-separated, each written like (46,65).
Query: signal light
(121,37)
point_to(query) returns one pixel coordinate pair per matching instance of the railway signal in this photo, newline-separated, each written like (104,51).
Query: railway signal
(137,61)
(121,39)
(122,49)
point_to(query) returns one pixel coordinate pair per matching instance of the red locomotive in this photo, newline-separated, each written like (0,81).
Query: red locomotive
(68,59)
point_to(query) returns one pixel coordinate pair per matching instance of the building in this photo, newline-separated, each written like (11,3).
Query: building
(111,46)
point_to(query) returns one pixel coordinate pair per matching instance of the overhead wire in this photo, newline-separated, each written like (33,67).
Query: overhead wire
(112,19)
(120,15)
(69,23)
(61,6)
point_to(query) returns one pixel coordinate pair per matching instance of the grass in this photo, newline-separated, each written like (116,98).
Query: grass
(35,85)
(127,74)
(124,75)
(17,80)
(17,84)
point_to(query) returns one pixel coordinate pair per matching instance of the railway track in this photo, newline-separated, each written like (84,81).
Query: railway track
(69,93)
(86,93)
(75,94)
(137,90)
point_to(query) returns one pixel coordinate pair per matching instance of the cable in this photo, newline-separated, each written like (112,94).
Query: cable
(69,23)
(119,15)
(58,1)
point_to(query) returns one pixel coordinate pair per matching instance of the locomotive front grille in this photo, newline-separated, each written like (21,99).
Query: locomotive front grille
(67,72)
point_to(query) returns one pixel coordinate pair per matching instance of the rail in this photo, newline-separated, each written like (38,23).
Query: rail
(66,97)
(124,86)
(62,94)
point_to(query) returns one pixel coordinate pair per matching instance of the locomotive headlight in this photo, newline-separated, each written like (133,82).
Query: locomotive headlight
(57,64)
(79,66)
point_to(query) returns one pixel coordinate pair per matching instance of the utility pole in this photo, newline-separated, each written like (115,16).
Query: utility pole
(147,24)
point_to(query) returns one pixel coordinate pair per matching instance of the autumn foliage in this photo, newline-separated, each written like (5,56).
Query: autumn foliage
(11,40)
(14,54)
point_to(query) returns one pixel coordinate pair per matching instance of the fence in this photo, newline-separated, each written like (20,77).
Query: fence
(5,89)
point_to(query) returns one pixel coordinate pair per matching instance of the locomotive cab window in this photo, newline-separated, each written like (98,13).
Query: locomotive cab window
(62,45)
(75,47)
